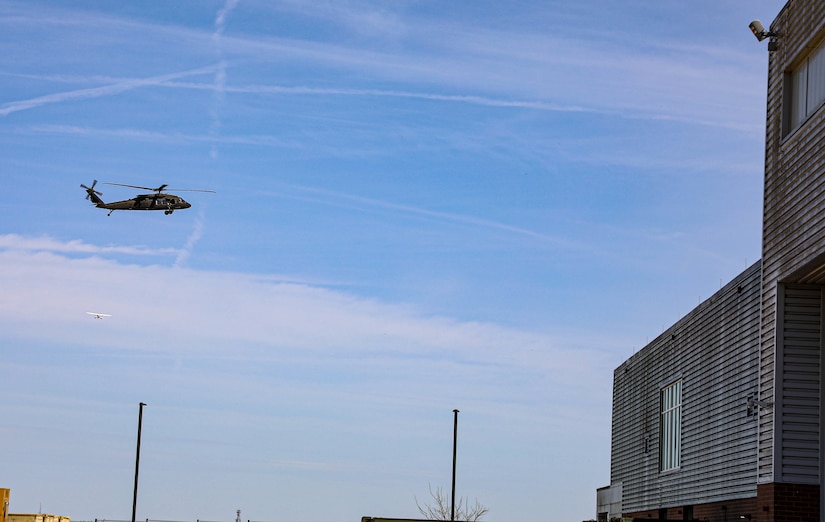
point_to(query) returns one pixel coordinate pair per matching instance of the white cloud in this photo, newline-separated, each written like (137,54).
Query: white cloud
(15,242)
(211,311)
(313,366)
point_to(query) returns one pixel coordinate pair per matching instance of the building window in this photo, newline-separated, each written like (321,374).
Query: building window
(805,89)
(670,426)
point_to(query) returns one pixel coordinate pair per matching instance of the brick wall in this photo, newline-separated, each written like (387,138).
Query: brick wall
(775,502)
(787,502)
(727,511)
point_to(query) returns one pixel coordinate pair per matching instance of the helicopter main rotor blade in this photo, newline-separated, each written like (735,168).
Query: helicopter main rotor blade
(160,188)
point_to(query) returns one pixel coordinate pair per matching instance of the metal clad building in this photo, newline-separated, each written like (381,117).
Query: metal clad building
(714,353)
(721,416)
(793,244)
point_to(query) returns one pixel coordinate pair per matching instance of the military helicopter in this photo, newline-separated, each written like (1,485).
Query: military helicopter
(168,203)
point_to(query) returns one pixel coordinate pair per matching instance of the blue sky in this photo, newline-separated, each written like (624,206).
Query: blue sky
(420,206)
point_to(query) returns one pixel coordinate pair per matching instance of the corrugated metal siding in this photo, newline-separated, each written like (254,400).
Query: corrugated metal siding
(715,351)
(794,204)
(798,401)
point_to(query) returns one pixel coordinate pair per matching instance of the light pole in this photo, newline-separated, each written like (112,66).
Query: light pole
(137,460)
(455,443)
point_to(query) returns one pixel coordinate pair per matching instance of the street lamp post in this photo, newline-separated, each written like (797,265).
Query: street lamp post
(137,460)
(455,443)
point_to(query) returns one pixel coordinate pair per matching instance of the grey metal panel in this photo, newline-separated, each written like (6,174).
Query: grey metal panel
(715,351)
(794,207)
(798,401)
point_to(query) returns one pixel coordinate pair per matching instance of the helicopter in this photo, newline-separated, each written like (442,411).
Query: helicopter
(168,203)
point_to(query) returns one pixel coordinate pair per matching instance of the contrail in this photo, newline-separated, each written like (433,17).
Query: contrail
(220,20)
(220,73)
(186,251)
(96,92)
(329,197)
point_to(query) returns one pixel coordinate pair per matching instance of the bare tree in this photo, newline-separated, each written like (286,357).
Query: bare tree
(440,509)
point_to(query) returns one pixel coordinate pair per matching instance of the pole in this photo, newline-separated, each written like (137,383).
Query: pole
(137,460)
(455,443)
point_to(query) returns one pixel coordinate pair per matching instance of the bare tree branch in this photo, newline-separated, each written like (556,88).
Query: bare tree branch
(439,508)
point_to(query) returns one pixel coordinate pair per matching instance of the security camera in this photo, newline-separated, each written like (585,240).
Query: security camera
(759,31)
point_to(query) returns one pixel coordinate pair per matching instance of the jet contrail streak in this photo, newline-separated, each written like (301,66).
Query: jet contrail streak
(95,92)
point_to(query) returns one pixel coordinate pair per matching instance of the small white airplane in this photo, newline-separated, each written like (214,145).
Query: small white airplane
(99,315)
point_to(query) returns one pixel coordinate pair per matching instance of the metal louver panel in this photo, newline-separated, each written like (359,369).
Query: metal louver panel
(798,404)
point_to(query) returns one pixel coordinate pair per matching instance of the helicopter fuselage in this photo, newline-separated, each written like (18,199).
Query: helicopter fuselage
(166,202)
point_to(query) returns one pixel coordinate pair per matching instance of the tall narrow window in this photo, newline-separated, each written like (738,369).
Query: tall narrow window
(670,426)
(805,89)
(799,96)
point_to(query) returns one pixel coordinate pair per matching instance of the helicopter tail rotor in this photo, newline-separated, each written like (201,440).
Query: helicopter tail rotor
(92,194)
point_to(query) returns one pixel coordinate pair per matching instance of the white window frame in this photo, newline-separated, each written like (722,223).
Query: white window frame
(670,426)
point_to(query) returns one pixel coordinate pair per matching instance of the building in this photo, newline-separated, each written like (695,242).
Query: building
(684,434)
(719,418)
(383,519)
(5,495)
(36,517)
